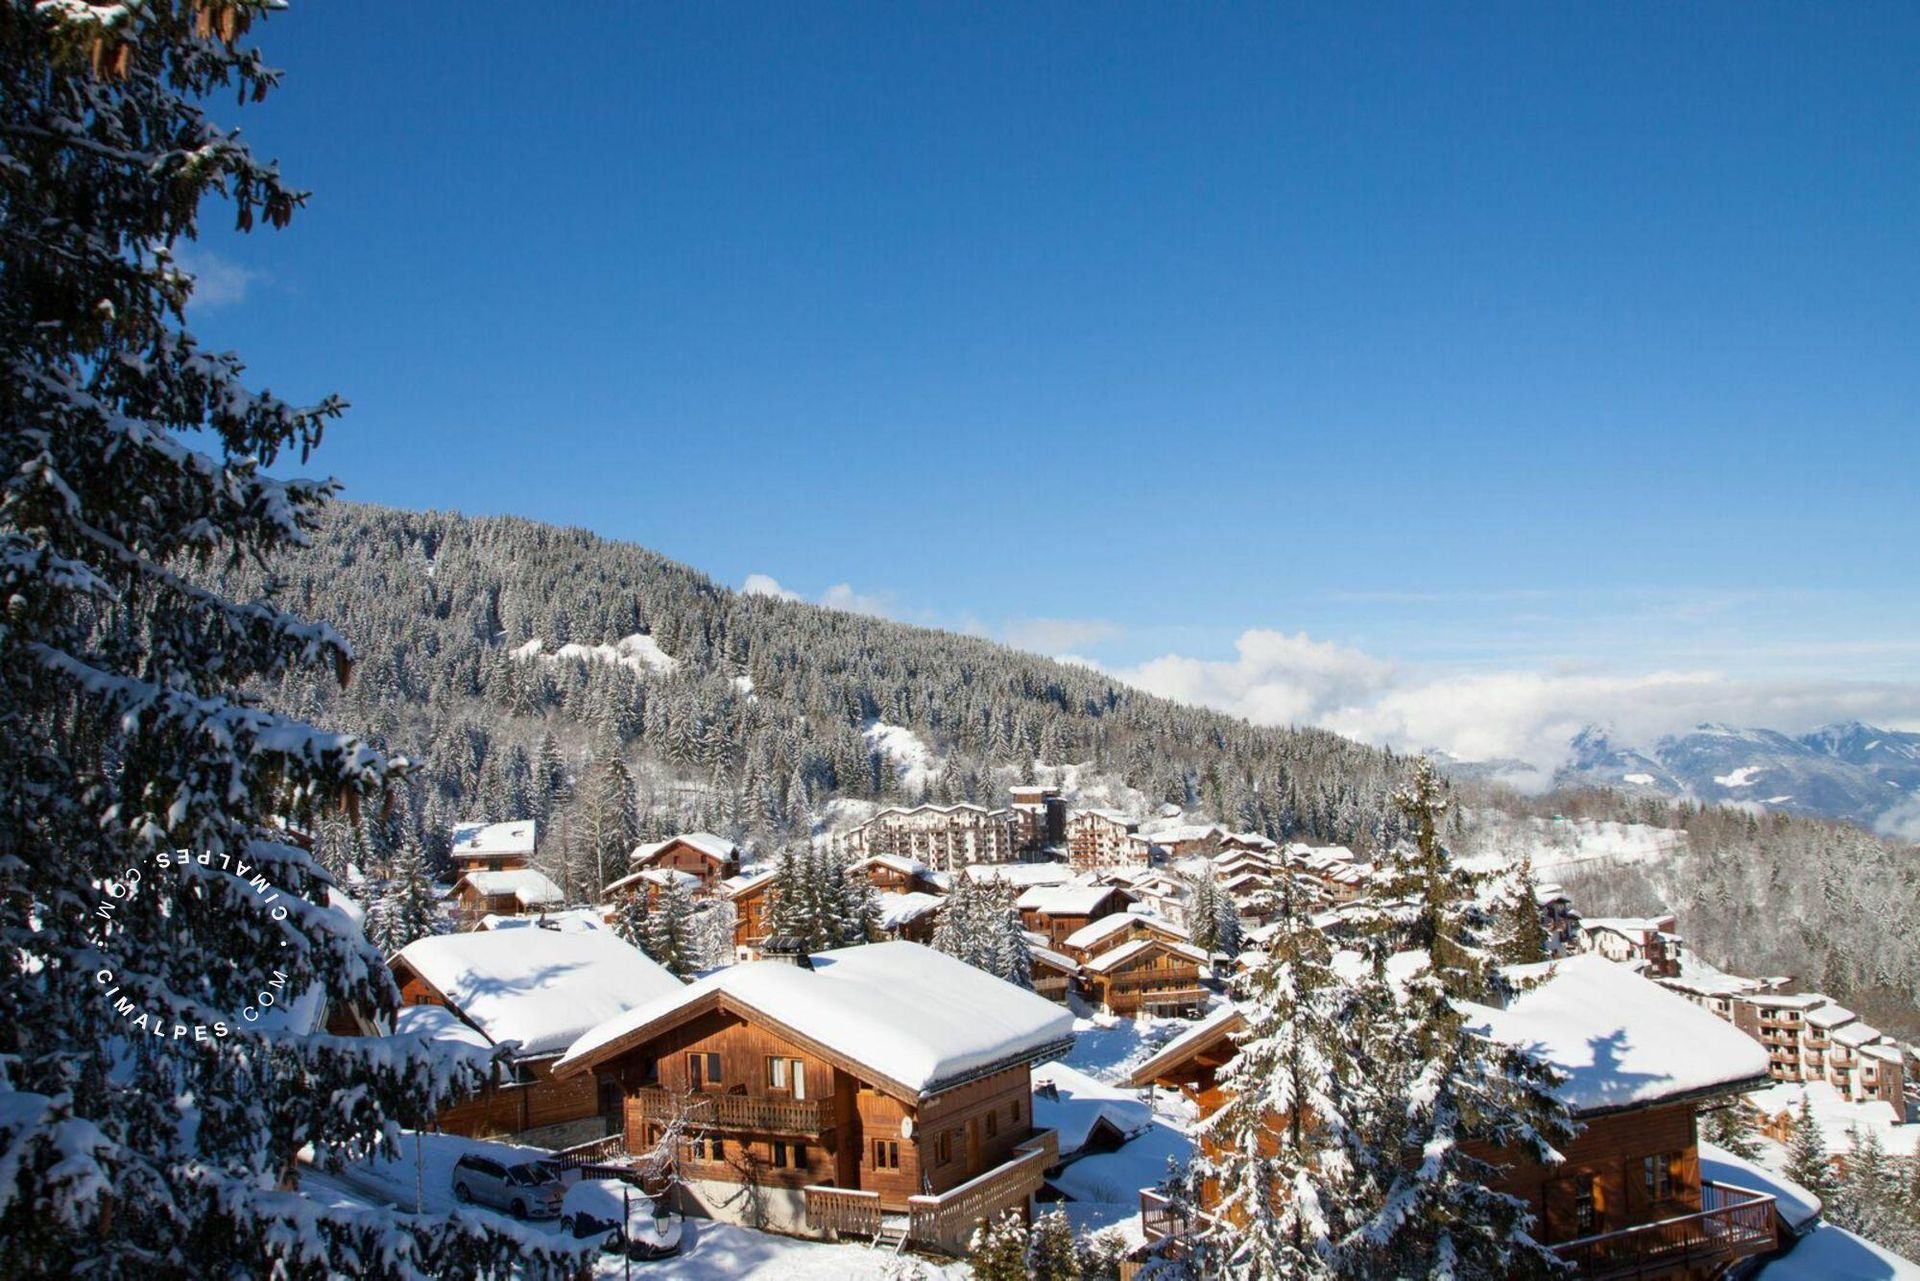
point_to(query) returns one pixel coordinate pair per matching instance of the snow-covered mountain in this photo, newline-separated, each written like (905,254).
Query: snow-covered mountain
(1852,771)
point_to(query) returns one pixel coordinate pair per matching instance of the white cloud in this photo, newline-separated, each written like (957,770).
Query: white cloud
(1529,715)
(842,596)
(1055,635)
(217,281)
(766,585)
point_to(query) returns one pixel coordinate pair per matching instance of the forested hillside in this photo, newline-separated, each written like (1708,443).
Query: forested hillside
(683,705)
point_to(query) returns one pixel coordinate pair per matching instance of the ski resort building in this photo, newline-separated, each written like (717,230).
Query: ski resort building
(1629,1198)
(1100,838)
(941,836)
(752,900)
(539,988)
(1152,975)
(879,1091)
(1058,911)
(1647,943)
(1039,817)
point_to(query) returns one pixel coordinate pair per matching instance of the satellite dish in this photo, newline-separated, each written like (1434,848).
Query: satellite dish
(906,1127)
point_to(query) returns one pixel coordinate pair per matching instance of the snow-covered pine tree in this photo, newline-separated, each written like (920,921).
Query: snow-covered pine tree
(1807,1162)
(610,826)
(1438,1215)
(667,934)
(1523,932)
(406,908)
(1289,1165)
(1011,956)
(998,1251)
(1051,1252)
(1731,1126)
(146,1142)
(630,919)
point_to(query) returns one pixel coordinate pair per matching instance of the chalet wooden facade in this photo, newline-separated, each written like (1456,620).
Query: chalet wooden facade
(500,847)
(708,858)
(1628,1200)
(1057,911)
(539,988)
(860,1088)
(519,891)
(752,900)
(1151,975)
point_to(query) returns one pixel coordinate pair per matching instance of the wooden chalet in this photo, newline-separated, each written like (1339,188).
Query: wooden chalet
(879,1091)
(1628,1199)
(1054,974)
(498,847)
(912,916)
(752,900)
(1152,975)
(1120,928)
(897,874)
(519,891)
(541,988)
(708,858)
(1059,910)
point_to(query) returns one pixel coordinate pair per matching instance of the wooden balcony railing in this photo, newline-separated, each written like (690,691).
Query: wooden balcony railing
(843,1210)
(751,1113)
(946,1221)
(1733,1222)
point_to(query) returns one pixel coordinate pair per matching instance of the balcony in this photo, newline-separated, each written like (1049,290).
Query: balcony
(945,1221)
(755,1114)
(1733,1223)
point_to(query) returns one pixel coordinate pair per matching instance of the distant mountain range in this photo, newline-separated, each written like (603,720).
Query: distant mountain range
(1851,771)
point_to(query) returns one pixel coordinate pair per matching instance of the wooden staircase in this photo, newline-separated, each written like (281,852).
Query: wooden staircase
(892,1233)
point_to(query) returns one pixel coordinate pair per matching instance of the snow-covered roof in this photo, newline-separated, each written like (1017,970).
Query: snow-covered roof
(1183,832)
(1857,1034)
(1127,951)
(897,909)
(1882,1052)
(496,840)
(661,876)
(915,1017)
(1107,926)
(1836,1114)
(1633,926)
(577,920)
(1829,1253)
(1052,959)
(746,883)
(529,887)
(1106,816)
(1796,1205)
(1067,900)
(1830,1016)
(1020,874)
(440,1025)
(718,848)
(542,988)
(1221,1023)
(1076,1103)
(1621,1040)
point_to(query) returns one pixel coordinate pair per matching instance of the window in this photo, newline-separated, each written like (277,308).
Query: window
(886,1154)
(703,1069)
(1584,1213)
(708,1147)
(1014,1110)
(787,1074)
(943,1147)
(789,1156)
(1656,1175)
(993,1124)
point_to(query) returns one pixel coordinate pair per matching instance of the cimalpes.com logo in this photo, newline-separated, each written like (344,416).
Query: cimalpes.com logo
(162,874)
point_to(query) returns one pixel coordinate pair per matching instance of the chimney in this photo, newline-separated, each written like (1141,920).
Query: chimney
(787,949)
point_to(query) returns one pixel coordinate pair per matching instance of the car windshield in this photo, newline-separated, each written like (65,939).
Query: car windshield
(529,1175)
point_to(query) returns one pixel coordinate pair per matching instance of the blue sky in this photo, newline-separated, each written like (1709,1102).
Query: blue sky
(1446,345)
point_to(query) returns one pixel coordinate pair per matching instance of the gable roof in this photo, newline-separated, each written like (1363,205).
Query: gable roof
(1128,951)
(1107,926)
(1210,1031)
(495,840)
(530,888)
(717,848)
(1622,1040)
(899,1014)
(542,988)
(1068,900)
(748,884)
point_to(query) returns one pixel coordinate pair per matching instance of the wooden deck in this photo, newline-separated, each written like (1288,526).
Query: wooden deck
(740,1112)
(1733,1223)
(945,1221)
